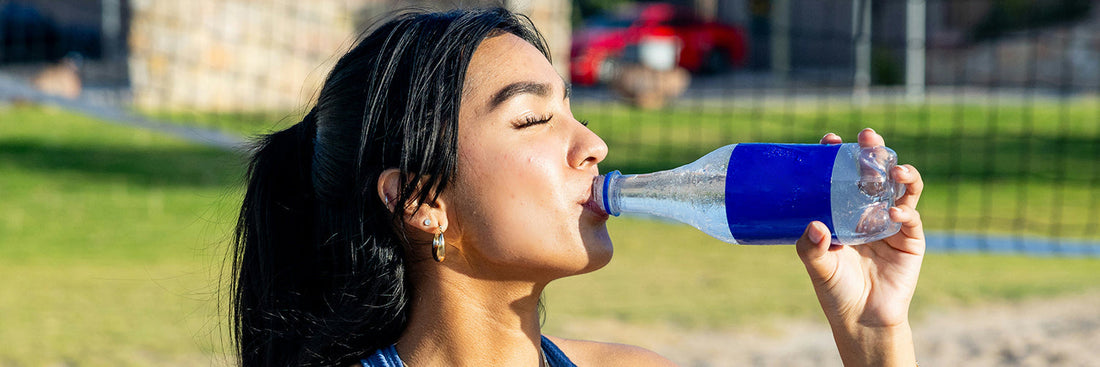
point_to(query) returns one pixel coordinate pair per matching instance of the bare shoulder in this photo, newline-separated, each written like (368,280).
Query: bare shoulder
(590,353)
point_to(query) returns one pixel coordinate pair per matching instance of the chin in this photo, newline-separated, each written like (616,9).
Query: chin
(599,248)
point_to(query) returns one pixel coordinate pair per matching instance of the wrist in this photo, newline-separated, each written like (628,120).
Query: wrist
(862,345)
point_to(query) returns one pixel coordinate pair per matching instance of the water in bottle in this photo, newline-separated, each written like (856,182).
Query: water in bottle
(758,194)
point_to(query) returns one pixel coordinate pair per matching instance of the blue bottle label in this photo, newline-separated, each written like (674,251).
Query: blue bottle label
(774,190)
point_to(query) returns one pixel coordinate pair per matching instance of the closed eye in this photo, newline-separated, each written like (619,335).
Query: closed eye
(529,121)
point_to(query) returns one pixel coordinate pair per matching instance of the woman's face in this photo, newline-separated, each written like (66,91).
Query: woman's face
(520,200)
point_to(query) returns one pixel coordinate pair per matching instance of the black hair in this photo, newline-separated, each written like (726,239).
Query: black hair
(319,262)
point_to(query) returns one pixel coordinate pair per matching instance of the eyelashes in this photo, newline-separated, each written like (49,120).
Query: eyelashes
(529,121)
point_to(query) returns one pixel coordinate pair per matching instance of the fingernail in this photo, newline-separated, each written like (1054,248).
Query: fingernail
(817,235)
(904,169)
(869,129)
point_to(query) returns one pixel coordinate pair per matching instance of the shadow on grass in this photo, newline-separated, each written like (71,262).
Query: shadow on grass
(192,166)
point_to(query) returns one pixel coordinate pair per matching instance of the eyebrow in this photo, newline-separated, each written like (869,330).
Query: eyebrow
(517,88)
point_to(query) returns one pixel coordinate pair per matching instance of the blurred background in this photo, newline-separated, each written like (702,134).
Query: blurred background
(122,124)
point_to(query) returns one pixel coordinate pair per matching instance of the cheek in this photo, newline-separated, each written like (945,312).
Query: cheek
(522,189)
(514,203)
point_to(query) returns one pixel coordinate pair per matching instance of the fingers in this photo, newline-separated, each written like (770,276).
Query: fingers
(912,228)
(911,224)
(812,248)
(831,138)
(869,138)
(909,176)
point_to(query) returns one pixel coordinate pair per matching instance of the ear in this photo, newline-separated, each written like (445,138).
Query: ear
(429,218)
(389,185)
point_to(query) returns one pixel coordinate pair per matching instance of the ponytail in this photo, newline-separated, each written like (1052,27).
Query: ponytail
(274,228)
(297,300)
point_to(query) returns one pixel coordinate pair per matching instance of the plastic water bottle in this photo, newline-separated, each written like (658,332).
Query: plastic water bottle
(762,194)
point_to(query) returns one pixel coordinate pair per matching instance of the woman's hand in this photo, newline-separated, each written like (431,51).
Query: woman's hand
(865,290)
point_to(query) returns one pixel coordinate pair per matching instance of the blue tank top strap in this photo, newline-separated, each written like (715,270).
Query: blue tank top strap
(554,356)
(385,357)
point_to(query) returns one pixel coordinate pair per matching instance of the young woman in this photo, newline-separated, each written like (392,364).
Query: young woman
(441,182)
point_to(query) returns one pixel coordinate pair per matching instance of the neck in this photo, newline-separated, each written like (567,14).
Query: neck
(459,320)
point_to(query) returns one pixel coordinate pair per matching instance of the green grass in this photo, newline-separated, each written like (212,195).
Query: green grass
(76,188)
(112,240)
(93,313)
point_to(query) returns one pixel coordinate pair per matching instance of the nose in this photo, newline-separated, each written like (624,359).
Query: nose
(588,149)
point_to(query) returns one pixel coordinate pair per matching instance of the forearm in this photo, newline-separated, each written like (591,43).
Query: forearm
(875,346)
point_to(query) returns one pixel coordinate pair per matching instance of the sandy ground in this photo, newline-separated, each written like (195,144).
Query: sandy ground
(1062,331)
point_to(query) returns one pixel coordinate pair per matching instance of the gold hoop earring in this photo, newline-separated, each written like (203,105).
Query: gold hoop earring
(439,246)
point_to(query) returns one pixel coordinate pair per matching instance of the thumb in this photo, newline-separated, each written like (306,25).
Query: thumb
(813,247)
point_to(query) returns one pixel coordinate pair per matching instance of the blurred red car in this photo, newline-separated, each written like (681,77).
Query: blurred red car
(604,40)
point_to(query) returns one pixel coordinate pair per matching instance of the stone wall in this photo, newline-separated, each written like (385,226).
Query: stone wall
(234,55)
(267,55)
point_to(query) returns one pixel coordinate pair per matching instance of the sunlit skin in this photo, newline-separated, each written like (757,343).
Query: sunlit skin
(517,216)
(526,167)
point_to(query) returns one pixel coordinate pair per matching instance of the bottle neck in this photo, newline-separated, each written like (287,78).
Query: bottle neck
(670,194)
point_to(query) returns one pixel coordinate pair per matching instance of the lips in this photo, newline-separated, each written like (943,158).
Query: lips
(592,204)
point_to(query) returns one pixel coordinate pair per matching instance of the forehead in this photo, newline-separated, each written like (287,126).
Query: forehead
(502,60)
